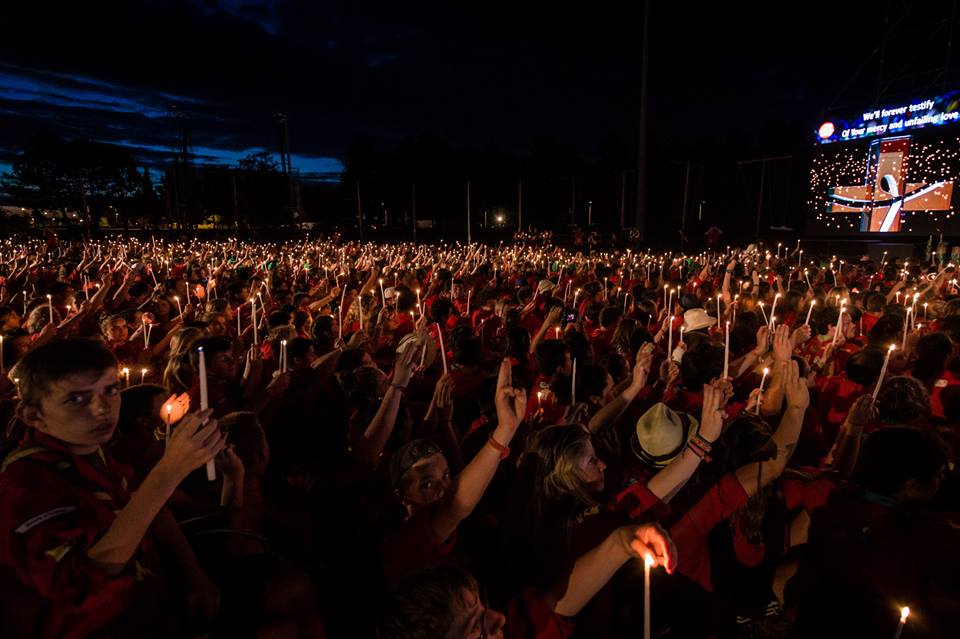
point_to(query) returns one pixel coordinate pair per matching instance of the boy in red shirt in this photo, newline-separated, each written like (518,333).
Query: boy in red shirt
(81,555)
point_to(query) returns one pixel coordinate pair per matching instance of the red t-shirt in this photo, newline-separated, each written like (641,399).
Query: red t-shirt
(691,531)
(413,546)
(54,506)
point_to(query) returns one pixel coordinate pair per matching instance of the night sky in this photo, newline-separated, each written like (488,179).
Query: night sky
(728,81)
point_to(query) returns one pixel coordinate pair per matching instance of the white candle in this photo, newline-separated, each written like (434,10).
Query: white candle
(665,287)
(253,319)
(2,369)
(906,327)
(573,383)
(766,320)
(187,288)
(166,438)
(343,297)
(126,374)
(669,338)
(383,297)
(726,351)
(176,298)
(469,293)
(443,351)
(773,309)
(810,312)
(146,339)
(681,334)
(626,297)
(648,563)
(239,328)
(718,307)
(925,311)
(50,306)
(205,404)
(576,294)
(283,356)
(904,613)
(143,374)
(883,370)
(766,371)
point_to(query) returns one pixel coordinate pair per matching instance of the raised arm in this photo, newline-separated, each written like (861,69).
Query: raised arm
(784,438)
(666,483)
(593,570)
(616,407)
(470,484)
(370,445)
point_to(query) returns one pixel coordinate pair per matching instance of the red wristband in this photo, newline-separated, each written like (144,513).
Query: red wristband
(504,450)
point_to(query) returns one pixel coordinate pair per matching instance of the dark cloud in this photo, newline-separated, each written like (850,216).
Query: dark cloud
(724,78)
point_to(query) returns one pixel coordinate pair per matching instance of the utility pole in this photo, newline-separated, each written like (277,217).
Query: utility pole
(573,200)
(623,194)
(683,213)
(763,175)
(642,137)
(359,212)
(520,205)
(413,188)
(469,235)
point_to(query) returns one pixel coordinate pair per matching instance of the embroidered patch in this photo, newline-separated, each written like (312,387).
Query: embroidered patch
(33,522)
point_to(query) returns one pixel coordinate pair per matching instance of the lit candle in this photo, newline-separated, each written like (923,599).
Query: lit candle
(443,351)
(904,613)
(766,371)
(906,327)
(146,339)
(925,311)
(576,294)
(669,338)
(253,319)
(557,329)
(126,374)
(726,351)
(205,403)
(176,298)
(810,312)
(681,334)
(665,287)
(239,328)
(2,369)
(383,297)
(283,356)
(343,298)
(143,374)
(648,563)
(469,293)
(50,306)
(773,309)
(573,383)
(766,320)
(166,436)
(718,307)
(626,297)
(836,331)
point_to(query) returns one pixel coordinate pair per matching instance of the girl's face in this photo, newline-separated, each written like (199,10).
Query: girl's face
(426,482)
(590,469)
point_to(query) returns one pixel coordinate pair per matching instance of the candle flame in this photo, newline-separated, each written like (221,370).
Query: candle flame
(651,562)
(904,613)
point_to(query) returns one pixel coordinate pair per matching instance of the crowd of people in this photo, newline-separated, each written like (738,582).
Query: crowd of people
(403,441)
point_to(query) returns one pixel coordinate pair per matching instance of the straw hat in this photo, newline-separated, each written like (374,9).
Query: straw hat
(409,341)
(545,286)
(697,318)
(661,435)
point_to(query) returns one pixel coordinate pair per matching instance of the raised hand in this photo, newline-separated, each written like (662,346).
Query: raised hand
(782,345)
(711,417)
(650,540)
(795,387)
(511,402)
(194,442)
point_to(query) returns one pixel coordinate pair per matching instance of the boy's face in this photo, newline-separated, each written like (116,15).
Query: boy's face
(80,410)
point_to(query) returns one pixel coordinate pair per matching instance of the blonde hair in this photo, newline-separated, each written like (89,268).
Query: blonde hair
(178,374)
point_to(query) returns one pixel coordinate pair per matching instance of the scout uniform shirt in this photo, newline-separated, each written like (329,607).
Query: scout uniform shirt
(55,505)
